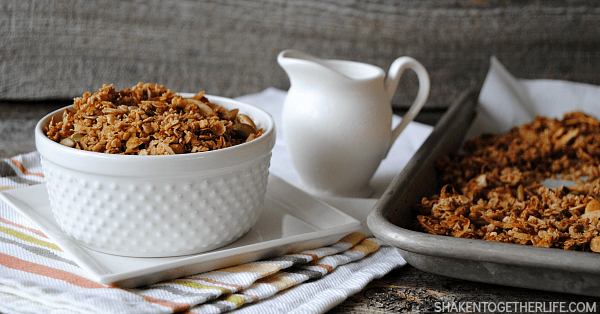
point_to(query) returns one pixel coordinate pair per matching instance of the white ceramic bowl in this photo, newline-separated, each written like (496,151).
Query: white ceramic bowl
(151,206)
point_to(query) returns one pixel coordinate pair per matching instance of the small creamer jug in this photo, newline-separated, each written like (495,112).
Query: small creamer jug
(337,119)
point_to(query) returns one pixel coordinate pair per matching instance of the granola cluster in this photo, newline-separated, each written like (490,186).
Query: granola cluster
(149,120)
(493,189)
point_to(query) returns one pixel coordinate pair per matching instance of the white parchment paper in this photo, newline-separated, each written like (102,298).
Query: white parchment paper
(506,101)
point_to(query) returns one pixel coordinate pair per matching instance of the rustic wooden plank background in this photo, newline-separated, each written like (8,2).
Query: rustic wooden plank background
(60,49)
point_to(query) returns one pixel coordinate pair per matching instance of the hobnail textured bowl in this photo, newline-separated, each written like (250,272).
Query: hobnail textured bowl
(158,206)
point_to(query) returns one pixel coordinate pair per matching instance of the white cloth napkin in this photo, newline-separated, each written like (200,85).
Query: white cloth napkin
(400,153)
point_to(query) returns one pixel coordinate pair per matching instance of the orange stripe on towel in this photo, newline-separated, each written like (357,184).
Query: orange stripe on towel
(366,247)
(353,238)
(177,307)
(42,270)
(328,268)
(8,222)
(278,281)
(25,171)
(312,256)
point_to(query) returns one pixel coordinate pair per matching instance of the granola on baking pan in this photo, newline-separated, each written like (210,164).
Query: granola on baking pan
(493,189)
(149,119)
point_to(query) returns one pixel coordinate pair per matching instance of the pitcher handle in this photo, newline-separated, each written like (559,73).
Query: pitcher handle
(391,84)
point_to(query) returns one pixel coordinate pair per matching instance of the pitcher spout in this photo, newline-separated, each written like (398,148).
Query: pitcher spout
(300,67)
(289,55)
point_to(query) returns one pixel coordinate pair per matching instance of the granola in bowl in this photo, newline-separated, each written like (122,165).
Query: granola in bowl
(149,119)
(203,188)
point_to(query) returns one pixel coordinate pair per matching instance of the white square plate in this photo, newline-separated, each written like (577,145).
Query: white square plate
(292,221)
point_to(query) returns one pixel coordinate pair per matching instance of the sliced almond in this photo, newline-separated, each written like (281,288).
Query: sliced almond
(205,110)
(243,130)
(242,118)
(68,142)
(595,215)
(595,244)
(592,206)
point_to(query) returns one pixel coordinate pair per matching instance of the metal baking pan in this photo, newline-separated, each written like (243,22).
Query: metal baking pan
(476,260)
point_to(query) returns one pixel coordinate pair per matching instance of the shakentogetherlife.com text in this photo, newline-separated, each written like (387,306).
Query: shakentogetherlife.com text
(516,307)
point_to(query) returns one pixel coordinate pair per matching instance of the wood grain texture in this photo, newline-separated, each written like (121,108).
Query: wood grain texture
(60,49)
(409,290)
(17,124)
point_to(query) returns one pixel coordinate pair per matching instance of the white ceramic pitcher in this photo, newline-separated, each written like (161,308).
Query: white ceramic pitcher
(337,119)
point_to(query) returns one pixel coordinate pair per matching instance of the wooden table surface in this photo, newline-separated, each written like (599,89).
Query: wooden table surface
(404,290)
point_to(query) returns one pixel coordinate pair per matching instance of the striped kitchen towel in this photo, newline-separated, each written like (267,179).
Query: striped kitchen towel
(37,277)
